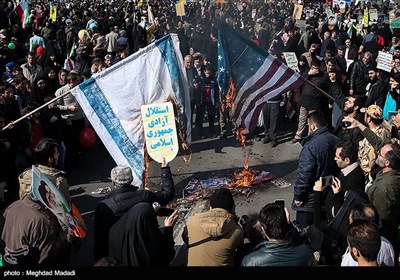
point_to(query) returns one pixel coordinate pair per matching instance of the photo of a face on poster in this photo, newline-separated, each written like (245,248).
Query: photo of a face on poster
(48,194)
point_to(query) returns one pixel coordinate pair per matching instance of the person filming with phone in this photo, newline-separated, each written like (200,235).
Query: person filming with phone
(329,198)
(351,177)
(282,245)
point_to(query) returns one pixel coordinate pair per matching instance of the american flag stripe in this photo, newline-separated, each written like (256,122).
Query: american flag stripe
(257,76)
(252,116)
(283,83)
(265,82)
(258,80)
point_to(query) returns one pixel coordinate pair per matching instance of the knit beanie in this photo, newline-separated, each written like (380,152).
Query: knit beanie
(222,198)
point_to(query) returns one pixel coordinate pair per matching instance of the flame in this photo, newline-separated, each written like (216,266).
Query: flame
(187,157)
(229,98)
(241,136)
(246,162)
(243,178)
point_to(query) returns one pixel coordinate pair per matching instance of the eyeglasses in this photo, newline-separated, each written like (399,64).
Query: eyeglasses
(380,154)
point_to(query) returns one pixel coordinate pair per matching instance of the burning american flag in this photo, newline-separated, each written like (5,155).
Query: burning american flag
(248,76)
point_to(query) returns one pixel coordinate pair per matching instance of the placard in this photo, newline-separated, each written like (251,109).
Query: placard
(384,61)
(291,61)
(160,131)
(297,11)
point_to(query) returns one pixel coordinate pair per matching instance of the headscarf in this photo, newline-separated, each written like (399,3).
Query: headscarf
(337,228)
(53,84)
(137,240)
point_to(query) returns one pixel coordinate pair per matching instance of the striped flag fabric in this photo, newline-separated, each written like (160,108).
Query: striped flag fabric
(112,99)
(255,74)
(22,10)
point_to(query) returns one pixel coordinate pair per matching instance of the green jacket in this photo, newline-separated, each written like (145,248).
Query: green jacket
(384,194)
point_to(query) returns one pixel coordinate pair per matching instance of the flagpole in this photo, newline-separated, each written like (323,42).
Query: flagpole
(12,123)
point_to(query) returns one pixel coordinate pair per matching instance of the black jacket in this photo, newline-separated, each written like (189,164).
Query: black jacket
(353,135)
(313,99)
(376,94)
(354,180)
(119,201)
(359,77)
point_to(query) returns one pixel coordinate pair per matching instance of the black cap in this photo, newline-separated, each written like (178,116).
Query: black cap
(222,198)
(341,47)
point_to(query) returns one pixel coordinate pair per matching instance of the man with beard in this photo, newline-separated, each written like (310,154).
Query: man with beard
(364,242)
(352,106)
(384,192)
(375,89)
(311,54)
(367,155)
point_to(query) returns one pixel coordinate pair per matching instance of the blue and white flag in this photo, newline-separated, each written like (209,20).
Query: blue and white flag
(257,76)
(112,99)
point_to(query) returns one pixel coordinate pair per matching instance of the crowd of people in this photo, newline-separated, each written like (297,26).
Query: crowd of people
(347,189)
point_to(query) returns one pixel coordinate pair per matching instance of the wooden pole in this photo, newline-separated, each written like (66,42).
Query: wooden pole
(12,123)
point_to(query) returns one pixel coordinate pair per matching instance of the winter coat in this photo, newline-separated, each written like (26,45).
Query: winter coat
(212,238)
(316,159)
(282,253)
(28,222)
(384,194)
(119,201)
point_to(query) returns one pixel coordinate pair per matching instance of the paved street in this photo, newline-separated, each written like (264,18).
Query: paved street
(211,158)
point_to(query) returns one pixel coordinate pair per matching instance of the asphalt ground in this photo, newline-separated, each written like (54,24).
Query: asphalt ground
(210,158)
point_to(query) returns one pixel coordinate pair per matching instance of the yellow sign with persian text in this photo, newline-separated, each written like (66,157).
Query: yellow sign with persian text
(160,131)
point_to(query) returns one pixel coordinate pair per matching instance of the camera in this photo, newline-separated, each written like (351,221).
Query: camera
(346,124)
(327,180)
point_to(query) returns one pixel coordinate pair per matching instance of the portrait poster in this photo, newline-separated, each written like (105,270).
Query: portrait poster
(65,211)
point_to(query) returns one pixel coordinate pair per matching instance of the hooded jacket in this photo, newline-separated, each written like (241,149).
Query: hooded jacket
(212,238)
(27,222)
